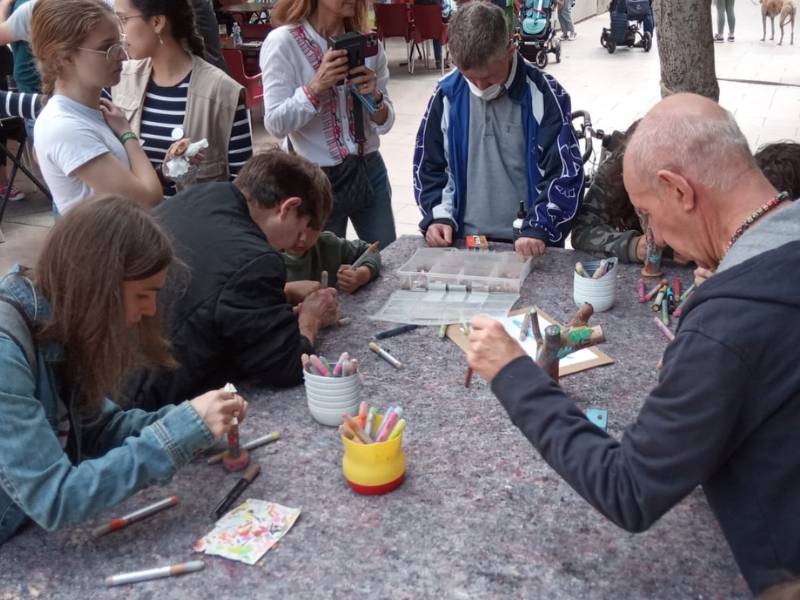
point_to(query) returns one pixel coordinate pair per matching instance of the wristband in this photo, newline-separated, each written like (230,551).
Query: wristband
(312,97)
(128,135)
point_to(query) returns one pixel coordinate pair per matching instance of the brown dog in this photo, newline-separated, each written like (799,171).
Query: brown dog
(785,9)
(787,16)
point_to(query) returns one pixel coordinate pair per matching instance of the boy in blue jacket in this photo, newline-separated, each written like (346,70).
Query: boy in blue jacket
(496,133)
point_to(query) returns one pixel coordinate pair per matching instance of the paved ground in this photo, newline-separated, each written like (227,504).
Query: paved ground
(616,89)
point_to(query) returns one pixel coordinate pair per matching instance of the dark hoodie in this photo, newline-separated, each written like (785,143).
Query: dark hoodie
(231,320)
(725,415)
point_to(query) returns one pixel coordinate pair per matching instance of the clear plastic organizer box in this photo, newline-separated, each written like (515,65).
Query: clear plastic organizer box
(477,271)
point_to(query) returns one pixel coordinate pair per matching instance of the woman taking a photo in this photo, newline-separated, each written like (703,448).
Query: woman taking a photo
(83,143)
(167,91)
(307,101)
(70,331)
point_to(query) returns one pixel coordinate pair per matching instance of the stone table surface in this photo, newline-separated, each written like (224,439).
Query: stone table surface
(480,514)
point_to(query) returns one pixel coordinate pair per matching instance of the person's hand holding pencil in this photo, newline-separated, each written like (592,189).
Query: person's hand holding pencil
(217,408)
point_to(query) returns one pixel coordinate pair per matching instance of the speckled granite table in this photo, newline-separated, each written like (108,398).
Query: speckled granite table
(480,514)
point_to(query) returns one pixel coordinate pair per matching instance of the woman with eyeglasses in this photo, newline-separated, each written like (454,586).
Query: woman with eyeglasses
(84,144)
(167,91)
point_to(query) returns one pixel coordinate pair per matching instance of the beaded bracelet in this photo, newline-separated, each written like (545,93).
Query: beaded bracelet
(128,135)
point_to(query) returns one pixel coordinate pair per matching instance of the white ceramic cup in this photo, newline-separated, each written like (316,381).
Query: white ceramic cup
(597,292)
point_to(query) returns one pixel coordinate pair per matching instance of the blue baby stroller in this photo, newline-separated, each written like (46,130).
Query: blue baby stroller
(536,36)
(631,25)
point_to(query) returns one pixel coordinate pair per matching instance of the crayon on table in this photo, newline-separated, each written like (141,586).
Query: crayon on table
(136,515)
(396,331)
(600,271)
(260,441)
(246,479)
(580,270)
(385,355)
(363,409)
(442,331)
(688,292)
(373,247)
(535,329)
(676,287)
(664,329)
(665,311)
(337,370)
(642,292)
(656,288)
(191,566)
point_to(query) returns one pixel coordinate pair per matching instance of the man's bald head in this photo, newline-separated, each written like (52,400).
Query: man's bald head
(693,137)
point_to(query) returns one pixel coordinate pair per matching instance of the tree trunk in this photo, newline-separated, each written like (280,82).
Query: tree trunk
(686,47)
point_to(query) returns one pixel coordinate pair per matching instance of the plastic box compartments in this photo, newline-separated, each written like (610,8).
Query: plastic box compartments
(435,268)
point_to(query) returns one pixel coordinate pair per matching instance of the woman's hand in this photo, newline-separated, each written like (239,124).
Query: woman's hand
(490,347)
(114,117)
(366,81)
(217,409)
(179,149)
(332,70)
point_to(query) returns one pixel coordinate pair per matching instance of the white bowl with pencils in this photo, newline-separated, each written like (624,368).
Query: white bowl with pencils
(332,389)
(595,283)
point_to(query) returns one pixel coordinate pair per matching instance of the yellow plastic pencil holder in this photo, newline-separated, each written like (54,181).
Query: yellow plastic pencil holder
(376,468)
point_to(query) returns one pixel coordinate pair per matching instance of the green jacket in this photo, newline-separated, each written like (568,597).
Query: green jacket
(592,230)
(328,254)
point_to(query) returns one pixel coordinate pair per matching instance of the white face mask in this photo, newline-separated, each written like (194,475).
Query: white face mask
(490,93)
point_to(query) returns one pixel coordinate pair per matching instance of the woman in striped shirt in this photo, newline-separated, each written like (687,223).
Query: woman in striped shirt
(170,92)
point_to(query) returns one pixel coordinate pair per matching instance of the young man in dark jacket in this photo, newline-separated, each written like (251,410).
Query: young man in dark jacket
(227,314)
(726,411)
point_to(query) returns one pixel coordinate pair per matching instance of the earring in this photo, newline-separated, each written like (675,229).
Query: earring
(160,41)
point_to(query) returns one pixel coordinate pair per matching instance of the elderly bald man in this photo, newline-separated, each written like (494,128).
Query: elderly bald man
(726,411)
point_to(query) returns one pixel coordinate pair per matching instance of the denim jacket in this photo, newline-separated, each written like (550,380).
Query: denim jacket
(112,455)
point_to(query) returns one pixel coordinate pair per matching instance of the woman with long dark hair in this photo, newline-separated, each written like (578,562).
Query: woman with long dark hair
(167,91)
(70,330)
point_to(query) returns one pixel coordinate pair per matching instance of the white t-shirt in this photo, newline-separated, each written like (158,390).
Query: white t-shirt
(67,135)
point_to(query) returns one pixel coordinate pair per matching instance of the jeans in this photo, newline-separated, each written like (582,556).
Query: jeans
(376,221)
(723,7)
(565,17)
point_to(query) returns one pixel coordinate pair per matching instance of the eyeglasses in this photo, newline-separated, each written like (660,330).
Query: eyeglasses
(114,52)
(123,19)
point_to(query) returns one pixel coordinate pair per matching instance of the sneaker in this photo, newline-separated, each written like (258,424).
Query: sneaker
(730,38)
(719,38)
(14,196)
(571,36)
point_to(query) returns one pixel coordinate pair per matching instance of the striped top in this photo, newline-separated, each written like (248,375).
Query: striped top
(164,110)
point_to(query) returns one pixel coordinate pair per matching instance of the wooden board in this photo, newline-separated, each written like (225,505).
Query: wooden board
(595,357)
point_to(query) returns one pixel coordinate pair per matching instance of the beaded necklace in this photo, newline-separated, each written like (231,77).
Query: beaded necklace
(755,216)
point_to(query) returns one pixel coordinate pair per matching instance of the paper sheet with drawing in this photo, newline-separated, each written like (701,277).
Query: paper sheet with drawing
(588,358)
(513,324)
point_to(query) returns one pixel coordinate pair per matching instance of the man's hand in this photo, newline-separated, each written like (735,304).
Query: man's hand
(490,347)
(527,246)
(439,235)
(297,291)
(320,309)
(701,274)
(349,280)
